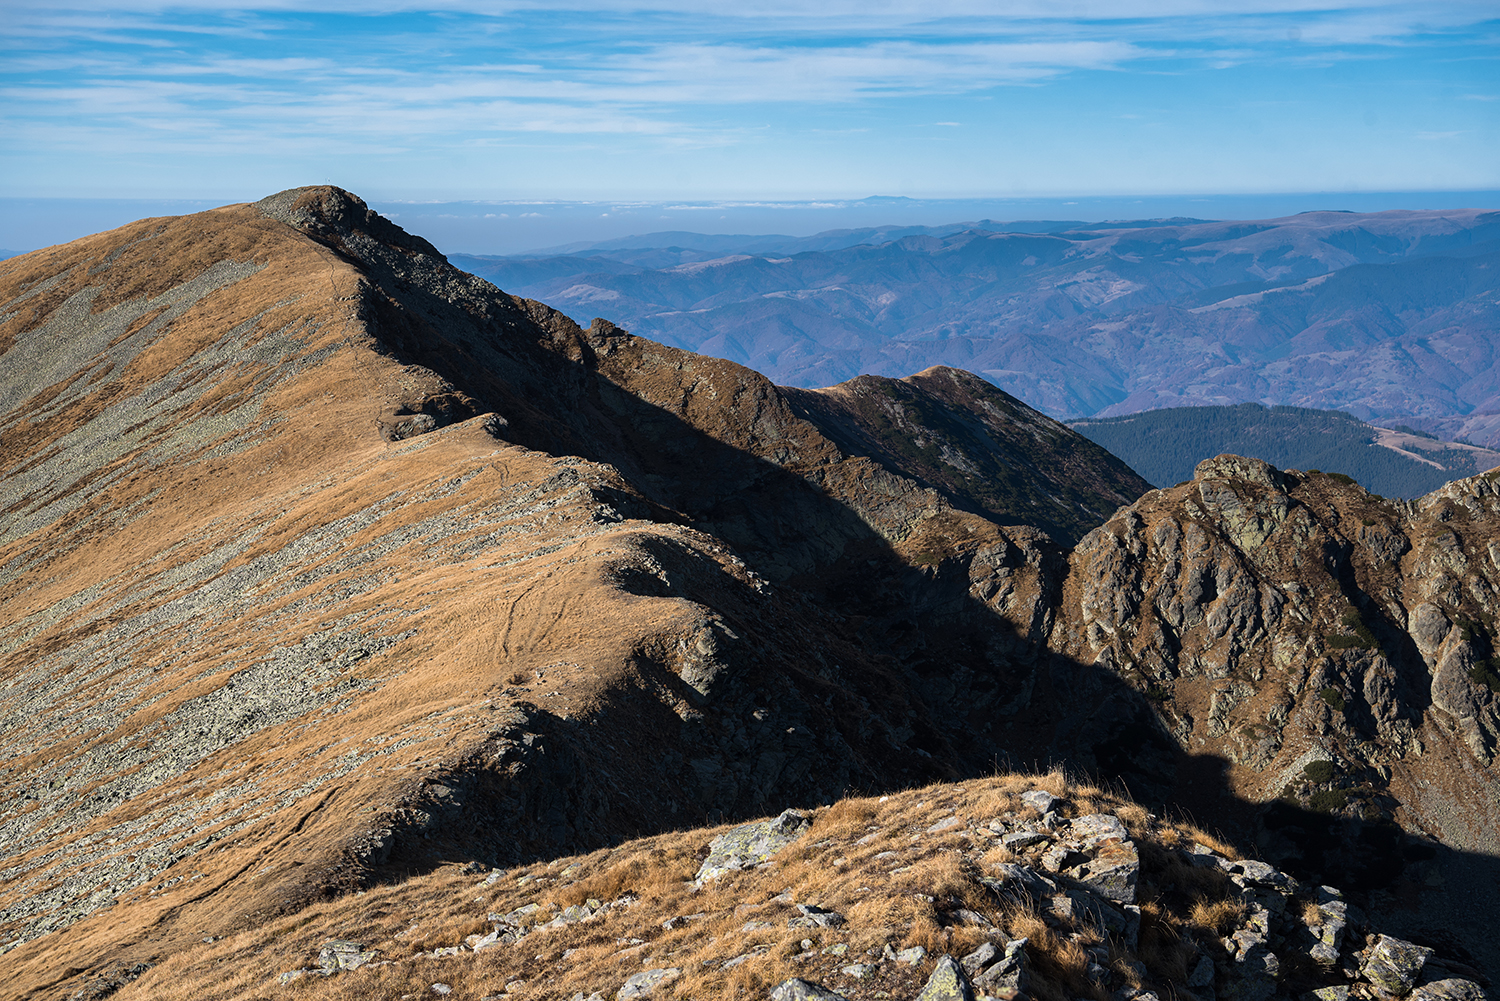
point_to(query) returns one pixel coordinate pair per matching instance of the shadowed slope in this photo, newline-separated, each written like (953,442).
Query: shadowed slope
(985,450)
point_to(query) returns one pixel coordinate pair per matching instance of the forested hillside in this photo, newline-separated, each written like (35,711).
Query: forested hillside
(1165,445)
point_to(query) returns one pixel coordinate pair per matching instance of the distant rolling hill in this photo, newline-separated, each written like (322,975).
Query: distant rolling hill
(1165,445)
(707,246)
(1383,315)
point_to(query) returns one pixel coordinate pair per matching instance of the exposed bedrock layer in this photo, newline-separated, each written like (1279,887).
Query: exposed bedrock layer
(322,561)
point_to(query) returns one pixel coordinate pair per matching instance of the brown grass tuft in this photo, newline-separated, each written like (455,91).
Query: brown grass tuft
(1218,916)
(1312,914)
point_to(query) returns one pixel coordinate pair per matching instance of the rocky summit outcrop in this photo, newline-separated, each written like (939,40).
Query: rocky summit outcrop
(324,564)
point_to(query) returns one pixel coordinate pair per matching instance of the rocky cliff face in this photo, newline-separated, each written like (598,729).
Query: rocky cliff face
(1331,650)
(1276,614)
(322,562)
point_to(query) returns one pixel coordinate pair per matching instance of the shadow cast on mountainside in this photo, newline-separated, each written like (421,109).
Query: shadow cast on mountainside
(856,672)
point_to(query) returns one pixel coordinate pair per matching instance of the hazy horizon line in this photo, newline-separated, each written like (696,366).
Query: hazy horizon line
(485,227)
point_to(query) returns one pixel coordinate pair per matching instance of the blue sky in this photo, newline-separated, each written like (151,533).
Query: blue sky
(662,100)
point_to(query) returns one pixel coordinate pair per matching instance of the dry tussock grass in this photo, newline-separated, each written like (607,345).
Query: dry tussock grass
(1218,916)
(875,860)
(1312,914)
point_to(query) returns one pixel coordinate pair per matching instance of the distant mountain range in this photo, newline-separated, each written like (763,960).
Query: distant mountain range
(706,246)
(1166,445)
(1383,315)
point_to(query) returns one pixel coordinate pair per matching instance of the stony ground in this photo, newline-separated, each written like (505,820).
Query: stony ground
(1035,886)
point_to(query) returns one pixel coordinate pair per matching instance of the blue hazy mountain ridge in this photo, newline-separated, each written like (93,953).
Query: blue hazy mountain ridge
(1385,314)
(1166,445)
(832,239)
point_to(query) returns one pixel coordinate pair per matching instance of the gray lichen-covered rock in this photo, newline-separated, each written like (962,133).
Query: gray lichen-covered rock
(976,961)
(645,982)
(1009,976)
(1323,935)
(1039,800)
(1112,872)
(1252,872)
(1019,883)
(751,844)
(947,983)
(1097,828)
(1093,851)
(340,954)
(481,942)
(1024,839)
(1338,993)
(1253,968)
(1449,990)
(797,989)
(815,917)
(1392,966)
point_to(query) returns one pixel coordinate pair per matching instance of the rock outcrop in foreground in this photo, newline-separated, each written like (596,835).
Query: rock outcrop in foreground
(324,565)
(1002,888)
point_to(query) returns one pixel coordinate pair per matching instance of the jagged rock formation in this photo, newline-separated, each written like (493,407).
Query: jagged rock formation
(322,562)
(1334,650)
(1321,639)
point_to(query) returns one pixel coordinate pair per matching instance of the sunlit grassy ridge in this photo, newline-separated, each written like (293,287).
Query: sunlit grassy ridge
(875,860)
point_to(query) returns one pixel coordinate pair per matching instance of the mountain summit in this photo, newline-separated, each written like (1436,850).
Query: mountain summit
(324,564)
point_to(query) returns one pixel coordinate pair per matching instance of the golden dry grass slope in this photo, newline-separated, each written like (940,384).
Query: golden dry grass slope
(903,871)
(870,897)
(323,562)
(324,565)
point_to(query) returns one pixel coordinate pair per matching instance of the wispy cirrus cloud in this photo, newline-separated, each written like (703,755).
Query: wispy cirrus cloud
(720,73)
(129,79)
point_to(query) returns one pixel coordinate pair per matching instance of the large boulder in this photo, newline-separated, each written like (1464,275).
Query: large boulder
(751,844)
(797,989)
(1392,966)
(947,983)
